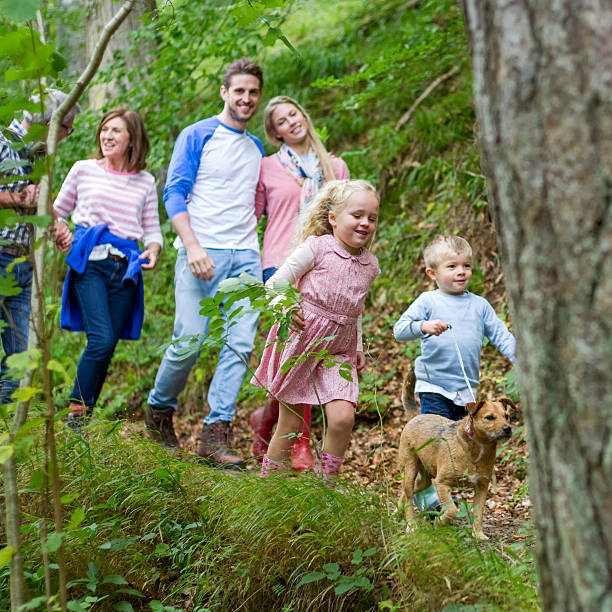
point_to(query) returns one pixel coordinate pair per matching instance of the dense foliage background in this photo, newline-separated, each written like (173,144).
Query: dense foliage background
(197,539)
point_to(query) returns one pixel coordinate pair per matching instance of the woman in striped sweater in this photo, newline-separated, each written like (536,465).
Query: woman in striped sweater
(113,204)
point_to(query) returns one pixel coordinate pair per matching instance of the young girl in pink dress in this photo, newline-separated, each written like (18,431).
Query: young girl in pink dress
(333,270)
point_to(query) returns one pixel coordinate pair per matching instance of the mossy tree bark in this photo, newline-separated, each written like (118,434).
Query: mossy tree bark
(100,12)
(543,93)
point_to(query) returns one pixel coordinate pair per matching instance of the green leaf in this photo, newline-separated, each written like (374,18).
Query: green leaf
(54,541)
(331,568)
(114,579)
(24,394)
(70,497)
(77,517)
(37,220)
(36,480)
(19,10)
(229,284)
(5,453)
(123,606)
(162,549)
(33,604)
(6,554)
(311,577)
(116,544)
(357,557)
(343,587)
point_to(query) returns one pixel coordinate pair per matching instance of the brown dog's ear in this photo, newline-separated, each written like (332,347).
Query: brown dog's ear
(472,408)
(506,401)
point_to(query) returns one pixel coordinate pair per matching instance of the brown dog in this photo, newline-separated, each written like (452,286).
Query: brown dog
(453,453)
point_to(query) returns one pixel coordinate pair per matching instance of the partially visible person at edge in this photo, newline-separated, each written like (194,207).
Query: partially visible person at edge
(210,198)
(288,182)
(16,242)
(113,204)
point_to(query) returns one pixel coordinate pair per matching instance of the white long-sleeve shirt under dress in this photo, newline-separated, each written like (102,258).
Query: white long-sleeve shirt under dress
(472,319)
(126,202)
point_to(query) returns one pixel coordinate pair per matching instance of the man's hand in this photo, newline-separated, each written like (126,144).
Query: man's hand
(28,197)
(200,263)
(360,361)
(297,320)
(62,236)
(435,327)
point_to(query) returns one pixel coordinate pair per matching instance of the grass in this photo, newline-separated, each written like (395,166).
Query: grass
(200,539)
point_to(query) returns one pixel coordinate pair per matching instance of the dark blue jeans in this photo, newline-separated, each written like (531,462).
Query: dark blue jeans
(106,304)
(16,317)
(434,403)
(267,273)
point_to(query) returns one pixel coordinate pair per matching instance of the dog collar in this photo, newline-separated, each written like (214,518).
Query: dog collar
(468,428)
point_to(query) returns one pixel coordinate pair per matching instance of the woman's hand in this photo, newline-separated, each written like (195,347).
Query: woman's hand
(360,361)
(151,253)
(297,321)
(62,236)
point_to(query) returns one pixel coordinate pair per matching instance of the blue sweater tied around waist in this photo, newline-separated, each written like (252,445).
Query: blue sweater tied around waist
(85,239)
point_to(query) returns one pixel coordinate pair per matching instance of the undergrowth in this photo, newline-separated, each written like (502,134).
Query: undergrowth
(146,528)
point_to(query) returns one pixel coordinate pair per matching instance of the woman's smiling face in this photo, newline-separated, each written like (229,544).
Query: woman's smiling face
(289,124)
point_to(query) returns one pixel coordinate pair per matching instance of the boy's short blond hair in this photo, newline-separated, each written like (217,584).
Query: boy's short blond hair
(443,246)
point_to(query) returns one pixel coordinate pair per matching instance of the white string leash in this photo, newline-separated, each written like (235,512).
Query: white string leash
(467,382)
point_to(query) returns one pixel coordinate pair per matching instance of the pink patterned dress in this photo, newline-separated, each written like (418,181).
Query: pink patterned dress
(333,295)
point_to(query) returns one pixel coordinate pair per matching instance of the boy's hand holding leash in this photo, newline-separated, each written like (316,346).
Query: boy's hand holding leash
(435,327)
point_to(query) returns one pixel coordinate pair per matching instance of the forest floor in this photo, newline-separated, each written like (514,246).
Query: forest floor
(372,456)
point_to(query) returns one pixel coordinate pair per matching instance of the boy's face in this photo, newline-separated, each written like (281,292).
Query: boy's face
(453,274)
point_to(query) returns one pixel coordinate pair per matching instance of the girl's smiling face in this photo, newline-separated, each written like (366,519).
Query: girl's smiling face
(354,225)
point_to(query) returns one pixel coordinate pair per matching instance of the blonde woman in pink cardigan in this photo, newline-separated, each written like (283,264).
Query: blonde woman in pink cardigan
(288,182)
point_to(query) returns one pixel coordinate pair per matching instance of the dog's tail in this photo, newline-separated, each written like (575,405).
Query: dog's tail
(408,384)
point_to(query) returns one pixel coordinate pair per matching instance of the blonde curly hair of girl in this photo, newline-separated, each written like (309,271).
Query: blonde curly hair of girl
(313,138)
(332,197)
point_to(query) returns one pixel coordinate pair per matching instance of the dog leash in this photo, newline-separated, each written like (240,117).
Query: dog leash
(468,427)
(467,382)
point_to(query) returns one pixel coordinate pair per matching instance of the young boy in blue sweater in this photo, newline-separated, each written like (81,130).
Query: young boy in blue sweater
(440,384)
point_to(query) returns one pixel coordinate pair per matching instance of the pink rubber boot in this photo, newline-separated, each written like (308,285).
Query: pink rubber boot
(269,467)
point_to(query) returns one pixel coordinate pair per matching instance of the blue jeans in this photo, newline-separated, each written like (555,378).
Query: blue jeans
(175,366)
(268,273)
(106,305)
(434,403)
(16,317)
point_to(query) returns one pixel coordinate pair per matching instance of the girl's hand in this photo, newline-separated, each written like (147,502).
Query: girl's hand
(62,236)
(360,361)
(151,253)
(297,321)
(435,327)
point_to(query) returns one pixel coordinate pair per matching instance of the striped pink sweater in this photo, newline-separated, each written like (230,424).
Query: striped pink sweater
(125,202)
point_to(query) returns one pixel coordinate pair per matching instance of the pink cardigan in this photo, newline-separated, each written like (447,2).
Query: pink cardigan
(278,194)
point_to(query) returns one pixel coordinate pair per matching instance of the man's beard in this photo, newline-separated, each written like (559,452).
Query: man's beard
(236,117)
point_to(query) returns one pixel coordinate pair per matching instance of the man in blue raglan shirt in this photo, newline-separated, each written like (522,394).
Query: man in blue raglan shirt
(210,198)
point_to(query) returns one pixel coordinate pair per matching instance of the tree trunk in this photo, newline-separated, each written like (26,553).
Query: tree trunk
(543,89)
(100,12)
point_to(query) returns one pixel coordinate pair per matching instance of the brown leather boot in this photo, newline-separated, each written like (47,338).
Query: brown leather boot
(215,446)
(160,428)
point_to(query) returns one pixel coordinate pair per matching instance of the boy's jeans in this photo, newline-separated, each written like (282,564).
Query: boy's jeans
(434,403)
(175,367)
(16,316)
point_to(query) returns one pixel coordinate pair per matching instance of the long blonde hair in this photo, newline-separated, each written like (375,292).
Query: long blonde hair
(311,134)
(332,197)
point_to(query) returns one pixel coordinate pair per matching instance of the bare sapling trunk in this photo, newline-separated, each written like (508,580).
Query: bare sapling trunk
(543,92)
(40,338)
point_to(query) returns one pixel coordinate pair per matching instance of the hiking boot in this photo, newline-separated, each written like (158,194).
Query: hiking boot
(262,422)
(160,428)
(78,417)
(215,446)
